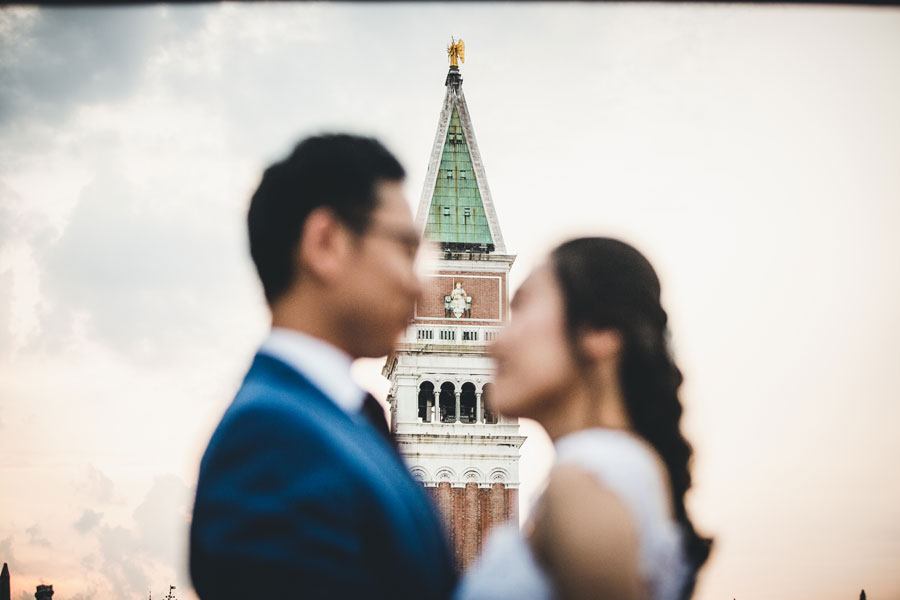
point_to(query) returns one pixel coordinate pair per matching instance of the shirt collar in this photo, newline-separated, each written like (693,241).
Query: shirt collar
(324,365)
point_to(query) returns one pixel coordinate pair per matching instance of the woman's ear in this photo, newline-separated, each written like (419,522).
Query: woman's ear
(601,344)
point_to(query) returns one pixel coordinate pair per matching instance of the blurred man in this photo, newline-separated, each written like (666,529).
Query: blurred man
(301,493)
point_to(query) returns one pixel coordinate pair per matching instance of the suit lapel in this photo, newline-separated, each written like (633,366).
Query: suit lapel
(368,450)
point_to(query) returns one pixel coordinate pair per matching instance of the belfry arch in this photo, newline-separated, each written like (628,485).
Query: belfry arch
(467,403)
(447,403)
(426,402)
(490,413)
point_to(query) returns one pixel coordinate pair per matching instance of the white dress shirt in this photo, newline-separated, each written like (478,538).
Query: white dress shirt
(324,365)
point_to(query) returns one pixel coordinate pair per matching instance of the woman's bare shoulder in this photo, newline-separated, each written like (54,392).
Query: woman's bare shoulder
(586,537)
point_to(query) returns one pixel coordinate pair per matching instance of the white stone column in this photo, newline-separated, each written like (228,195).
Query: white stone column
(478,414)
(437,406)
(457,406)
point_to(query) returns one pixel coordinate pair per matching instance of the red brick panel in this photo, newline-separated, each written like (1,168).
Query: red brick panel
(469,513)
(484,498)
(512,503)
(443,499)
(499,508)
(459,526)
(486,293)
(471,545)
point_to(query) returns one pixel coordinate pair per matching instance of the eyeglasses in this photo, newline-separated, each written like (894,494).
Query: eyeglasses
(407,238)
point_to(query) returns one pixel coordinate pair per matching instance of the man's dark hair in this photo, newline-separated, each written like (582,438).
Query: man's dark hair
(335,171)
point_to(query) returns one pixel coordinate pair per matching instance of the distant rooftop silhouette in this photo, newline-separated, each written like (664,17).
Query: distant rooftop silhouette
(4,583)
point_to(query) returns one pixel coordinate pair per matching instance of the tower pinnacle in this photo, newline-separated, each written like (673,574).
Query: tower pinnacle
(456,51)
(456,210)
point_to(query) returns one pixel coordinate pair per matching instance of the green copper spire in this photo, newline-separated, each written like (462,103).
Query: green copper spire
(456,209)
(456,217)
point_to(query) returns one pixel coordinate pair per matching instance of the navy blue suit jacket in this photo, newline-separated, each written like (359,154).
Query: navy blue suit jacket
(297,499)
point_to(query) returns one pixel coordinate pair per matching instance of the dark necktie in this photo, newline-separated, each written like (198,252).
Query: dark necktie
(375,415)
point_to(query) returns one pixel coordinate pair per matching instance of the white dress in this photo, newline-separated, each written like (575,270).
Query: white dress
(626,466)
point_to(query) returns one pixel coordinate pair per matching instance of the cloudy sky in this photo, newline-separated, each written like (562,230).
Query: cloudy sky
(753,153)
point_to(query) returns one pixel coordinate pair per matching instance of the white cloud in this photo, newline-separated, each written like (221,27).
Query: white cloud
(131,557)
(59,58)
(97,486)
(88,520)
(36,538)
(6,551)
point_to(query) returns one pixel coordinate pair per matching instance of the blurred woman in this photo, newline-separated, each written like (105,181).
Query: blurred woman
(586,356)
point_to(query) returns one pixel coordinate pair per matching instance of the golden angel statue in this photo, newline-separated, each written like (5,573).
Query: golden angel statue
(456,50)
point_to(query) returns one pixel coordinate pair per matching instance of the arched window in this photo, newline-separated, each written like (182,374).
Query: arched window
(490,415)
(448,402)
(467,403)
(426,401)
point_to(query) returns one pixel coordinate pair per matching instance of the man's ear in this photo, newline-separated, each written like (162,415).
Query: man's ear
(324,245)
(601,344)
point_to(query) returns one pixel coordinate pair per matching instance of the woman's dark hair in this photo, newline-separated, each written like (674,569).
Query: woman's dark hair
(607,284)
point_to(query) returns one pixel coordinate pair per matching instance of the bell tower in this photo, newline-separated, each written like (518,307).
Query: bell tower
(464,453)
